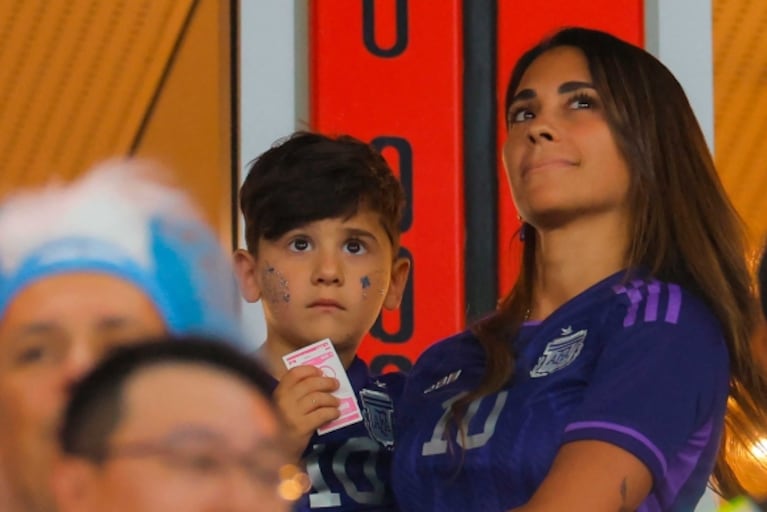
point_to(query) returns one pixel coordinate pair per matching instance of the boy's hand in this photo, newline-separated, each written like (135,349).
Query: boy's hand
(304,400)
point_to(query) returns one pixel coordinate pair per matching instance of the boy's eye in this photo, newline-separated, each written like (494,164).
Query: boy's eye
(299,245)
(355,247)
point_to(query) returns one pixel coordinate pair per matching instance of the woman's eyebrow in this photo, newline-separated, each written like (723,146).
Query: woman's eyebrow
(574,86)
(566,87)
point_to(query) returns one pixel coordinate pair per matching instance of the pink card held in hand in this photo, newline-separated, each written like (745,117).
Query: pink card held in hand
(323,355)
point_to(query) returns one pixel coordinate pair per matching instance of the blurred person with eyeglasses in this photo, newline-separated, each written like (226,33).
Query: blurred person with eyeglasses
(109,259)
(174,426)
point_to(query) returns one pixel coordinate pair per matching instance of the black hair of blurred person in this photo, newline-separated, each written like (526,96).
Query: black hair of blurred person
(96,405)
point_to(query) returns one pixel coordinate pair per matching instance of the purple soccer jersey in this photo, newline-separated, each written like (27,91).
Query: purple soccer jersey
(350,467)
(642,365)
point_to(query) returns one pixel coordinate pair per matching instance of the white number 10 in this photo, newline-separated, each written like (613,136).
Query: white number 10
(438,444)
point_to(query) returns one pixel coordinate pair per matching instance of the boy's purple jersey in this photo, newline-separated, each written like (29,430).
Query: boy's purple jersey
(350,467)
(642,365)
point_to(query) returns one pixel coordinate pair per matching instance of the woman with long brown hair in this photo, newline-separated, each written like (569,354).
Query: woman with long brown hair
(602,380)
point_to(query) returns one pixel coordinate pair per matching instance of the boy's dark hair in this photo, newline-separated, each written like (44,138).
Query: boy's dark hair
(95,408)
(308,177)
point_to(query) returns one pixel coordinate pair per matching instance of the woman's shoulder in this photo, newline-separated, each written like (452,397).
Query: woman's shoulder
(665,322)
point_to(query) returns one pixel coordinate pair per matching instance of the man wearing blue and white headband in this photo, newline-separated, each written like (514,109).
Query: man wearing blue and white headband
(110,259)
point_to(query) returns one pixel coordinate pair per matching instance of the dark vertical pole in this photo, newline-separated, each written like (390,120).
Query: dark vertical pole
(480,155)
(234,88)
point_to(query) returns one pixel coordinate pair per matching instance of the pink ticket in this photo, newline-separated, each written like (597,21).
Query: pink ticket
(323,355)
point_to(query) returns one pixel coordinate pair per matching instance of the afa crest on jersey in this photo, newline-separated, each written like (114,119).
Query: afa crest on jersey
(378,413)
(560,352)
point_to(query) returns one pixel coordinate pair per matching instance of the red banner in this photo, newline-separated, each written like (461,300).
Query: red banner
(389,71)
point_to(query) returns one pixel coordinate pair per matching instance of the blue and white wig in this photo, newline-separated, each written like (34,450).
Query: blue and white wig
(120,219)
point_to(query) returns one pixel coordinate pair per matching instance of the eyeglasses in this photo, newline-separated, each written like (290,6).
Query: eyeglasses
(205,460)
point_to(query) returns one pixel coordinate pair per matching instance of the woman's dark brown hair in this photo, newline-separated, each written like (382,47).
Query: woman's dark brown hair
(684,230)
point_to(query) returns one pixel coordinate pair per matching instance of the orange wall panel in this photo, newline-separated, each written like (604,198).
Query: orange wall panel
(189,125)
(84,80)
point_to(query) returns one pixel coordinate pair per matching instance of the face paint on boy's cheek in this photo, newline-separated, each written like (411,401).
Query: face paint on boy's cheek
(373,282)
(275,286)
(365,282)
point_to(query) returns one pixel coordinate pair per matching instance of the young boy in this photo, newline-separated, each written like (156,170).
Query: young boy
(322,222)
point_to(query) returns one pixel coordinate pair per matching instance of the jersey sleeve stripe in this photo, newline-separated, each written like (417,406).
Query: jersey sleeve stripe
(635,296)
(653,297)
(623,430)
(674,303)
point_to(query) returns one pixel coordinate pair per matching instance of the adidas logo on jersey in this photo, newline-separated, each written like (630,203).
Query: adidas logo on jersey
(379,383)
(559,352)
(444,381)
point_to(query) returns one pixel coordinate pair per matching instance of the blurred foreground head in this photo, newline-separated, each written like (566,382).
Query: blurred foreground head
(174,426)
(107,260)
